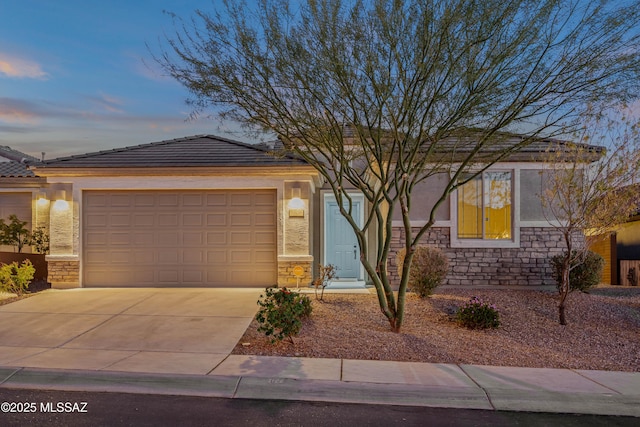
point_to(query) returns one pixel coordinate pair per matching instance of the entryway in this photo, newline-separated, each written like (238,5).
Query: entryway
(340,243)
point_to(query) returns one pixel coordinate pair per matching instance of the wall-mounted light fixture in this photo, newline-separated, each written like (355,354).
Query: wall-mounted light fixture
(41,198)
(296,204)
(60,197)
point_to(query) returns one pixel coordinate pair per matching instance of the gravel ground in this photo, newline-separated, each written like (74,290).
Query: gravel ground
(603,330)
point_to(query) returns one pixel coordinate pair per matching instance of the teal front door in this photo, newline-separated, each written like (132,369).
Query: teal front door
(341,244)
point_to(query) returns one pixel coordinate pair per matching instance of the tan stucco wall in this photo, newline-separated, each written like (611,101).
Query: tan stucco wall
(293,233)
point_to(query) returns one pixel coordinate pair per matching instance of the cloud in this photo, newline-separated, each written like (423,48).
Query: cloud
(14,129)
(29,112)
(22,111)
(107,102)
(15,67)
(18,111)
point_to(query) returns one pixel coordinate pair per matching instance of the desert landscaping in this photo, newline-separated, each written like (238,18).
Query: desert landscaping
(603,331)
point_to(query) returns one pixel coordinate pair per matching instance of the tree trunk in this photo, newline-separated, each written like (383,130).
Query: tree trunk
(563,319)
(393,322)
(564,288)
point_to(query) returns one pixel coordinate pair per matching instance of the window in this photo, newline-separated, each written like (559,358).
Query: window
(484,207)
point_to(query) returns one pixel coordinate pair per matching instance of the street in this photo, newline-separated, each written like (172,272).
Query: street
(59,408)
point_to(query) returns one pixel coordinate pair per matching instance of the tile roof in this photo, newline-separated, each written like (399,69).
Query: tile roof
(192,151)
(16,166)
(535,149)
(15,155)
(14,170)
(464,141)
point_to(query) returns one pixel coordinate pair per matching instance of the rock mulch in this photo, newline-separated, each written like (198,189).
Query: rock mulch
(603,331)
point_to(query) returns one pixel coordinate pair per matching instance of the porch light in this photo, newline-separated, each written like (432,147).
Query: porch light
(296,204)
(61,200)
(41,198)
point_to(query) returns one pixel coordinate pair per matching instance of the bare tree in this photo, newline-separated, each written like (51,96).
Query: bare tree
(381,95)
(589,193)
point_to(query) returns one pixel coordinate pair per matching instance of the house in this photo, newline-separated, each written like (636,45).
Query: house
(195,211)
(621,252)
(493,229)
(19,187)
(209,211)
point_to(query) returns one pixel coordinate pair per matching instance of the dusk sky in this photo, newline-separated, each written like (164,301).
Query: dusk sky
(77,76)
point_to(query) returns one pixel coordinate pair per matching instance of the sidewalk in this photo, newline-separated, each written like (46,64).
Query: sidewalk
(365,381)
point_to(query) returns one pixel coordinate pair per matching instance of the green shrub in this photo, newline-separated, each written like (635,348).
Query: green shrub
(585,272)
(15,278)
(476,314)
(429,267)
(40,240)
(281,313)
(15,233)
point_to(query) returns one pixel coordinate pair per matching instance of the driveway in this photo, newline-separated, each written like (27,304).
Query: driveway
(179,331)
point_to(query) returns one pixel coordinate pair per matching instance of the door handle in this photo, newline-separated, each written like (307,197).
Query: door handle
(354,251)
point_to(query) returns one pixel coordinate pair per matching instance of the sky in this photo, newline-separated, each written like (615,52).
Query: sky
(78,76)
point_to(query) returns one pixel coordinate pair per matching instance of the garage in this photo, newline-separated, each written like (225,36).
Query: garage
(179,238)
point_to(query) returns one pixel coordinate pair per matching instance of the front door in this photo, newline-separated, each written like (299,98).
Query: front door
(341,244)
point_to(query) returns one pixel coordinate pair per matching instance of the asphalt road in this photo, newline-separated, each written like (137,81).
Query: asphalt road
(56,408)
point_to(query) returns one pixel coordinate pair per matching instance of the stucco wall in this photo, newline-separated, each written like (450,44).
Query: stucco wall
(293,232)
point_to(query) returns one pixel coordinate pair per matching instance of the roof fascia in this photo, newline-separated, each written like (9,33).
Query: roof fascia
(22,182)
(175,171)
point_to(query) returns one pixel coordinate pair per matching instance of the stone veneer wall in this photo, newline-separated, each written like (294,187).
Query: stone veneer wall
(64,273)
(527,265)
(288,279)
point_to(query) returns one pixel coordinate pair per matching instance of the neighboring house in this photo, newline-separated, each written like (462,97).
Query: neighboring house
(19,188)
(208,211)
(621,252)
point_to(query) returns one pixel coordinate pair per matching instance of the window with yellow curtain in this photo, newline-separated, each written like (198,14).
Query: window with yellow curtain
(484,207)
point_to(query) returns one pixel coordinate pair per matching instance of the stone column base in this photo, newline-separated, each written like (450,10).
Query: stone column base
(286,266)
(64,272)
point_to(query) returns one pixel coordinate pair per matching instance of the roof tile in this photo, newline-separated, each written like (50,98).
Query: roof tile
(193,151)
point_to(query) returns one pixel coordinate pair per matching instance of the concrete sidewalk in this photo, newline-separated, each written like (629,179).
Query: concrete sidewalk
(364,381)
(178,342)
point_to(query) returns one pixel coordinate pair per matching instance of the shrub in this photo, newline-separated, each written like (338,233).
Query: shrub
(15,233)
(476,314)
(281,313)
(429,267)
(15,278)
(326,273)
(40,240)
(585,271)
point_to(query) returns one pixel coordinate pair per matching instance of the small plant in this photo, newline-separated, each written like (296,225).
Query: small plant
(632,276)
(15,233)
(40,240)
(585,272)
(281,313)
(429,267)
(476,314)
(326,273)
(16,278)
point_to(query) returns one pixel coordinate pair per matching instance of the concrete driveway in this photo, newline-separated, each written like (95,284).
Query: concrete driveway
(178,331)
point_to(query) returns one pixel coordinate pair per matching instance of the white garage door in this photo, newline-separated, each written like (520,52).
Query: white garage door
(179,238)
(15,204)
